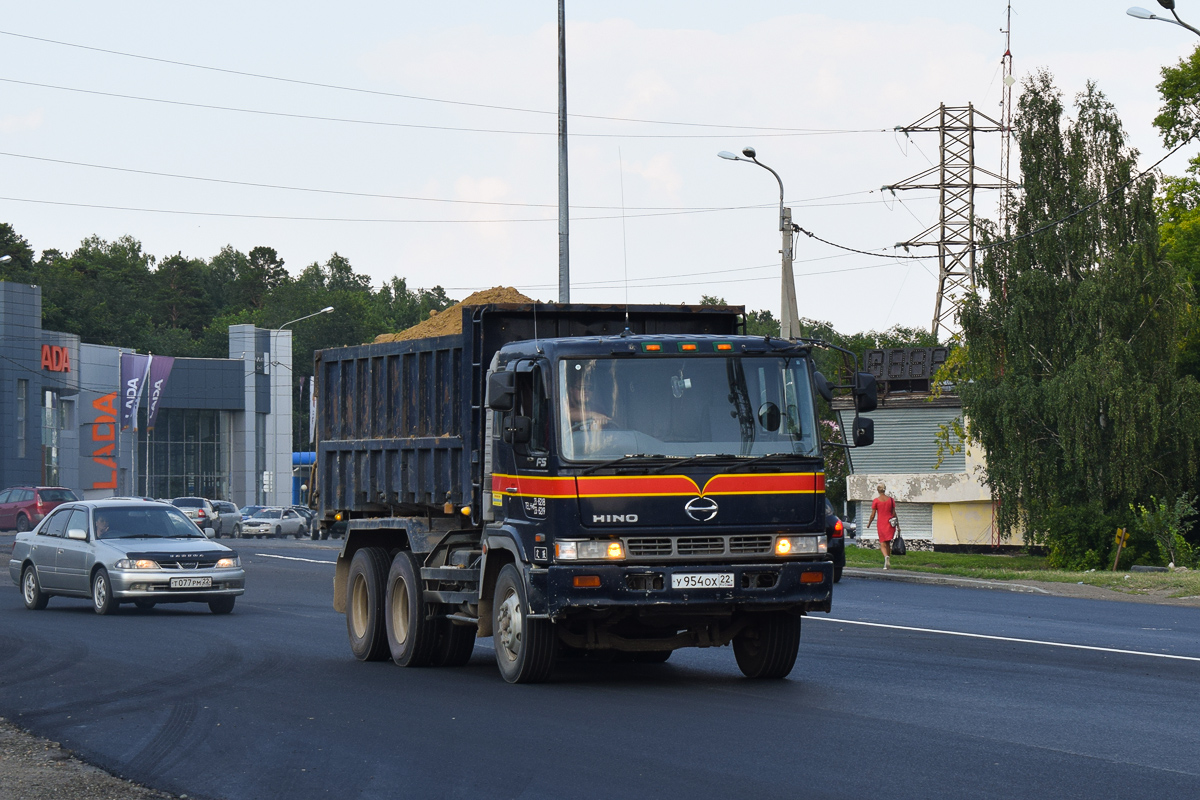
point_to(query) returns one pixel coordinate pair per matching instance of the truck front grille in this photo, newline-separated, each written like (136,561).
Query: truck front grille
(646,547)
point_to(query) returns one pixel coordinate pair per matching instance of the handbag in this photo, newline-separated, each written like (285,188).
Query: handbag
(898,546)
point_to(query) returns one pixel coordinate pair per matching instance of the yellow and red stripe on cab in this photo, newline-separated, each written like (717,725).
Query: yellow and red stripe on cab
(657,485)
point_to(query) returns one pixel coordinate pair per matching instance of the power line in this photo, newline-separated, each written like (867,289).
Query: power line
(394,221)
(359,90)
(227,181)
(410,125)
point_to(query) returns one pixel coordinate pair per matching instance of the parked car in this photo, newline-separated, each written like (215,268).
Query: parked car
(229,519)
(275,522)
(249,511)
(22,507)
(199,510)
(124,551)
(836,531)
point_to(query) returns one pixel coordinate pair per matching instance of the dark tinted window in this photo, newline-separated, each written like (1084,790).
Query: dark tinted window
(57,495)
(187,502)
(57,524)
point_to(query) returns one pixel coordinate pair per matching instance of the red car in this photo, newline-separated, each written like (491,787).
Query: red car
(22,507)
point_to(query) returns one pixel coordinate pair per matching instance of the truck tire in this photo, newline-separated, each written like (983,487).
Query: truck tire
(767,648)
(524,647)
(455,645)
(837,572)
(412,635)
(364,604)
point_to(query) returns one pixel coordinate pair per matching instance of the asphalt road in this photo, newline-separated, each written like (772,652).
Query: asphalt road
(1048,697)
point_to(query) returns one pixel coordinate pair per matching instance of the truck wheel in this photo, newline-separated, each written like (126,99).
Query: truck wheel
(411,633)
(364,604)
(455,645)
(837,573)
(31,590)
(524,646)
(767,647)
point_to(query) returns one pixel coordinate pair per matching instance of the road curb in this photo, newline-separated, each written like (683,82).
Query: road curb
(904,576)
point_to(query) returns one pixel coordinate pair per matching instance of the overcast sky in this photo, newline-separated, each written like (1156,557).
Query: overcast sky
(436,159)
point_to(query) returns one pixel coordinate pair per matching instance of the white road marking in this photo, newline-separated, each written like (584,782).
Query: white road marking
(1009,639)
(293,558)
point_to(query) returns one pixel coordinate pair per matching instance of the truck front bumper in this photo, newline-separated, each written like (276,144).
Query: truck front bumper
(799,586)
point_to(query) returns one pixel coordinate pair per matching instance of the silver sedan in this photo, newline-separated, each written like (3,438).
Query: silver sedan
(124,551)
(275,522)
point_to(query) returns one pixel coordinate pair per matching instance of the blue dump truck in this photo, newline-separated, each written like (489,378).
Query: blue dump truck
(571,479)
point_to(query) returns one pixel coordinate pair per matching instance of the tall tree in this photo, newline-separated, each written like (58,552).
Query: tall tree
(1068,378)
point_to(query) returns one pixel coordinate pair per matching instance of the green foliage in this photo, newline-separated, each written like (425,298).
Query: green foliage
(1179,118)
(1168,523)
(1070,382)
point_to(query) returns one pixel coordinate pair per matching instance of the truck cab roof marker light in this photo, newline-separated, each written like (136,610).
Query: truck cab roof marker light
(651,347)
(687,347)
(723,346)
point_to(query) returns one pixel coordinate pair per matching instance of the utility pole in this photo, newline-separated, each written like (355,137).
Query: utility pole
(955,178)
(564,223)
(789,326)
(1006,62)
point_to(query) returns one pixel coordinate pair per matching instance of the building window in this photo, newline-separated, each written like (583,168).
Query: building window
(189,453)
(22,412)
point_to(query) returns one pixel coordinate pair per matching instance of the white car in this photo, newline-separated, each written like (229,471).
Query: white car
(274,522)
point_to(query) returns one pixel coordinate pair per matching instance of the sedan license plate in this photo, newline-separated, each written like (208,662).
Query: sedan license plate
(191,583)
(703,580)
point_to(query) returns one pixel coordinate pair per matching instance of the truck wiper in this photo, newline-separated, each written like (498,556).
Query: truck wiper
(768,456)
(620,460)
(693,459)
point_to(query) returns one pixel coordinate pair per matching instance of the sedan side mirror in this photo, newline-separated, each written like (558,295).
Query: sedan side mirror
(77,533)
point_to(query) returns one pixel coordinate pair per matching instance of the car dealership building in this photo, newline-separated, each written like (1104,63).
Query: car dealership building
(222,426)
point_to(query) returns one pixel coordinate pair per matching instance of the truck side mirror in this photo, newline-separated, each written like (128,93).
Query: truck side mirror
(501,389)
(823,387)
(864,431)
(517,429)
(866,394)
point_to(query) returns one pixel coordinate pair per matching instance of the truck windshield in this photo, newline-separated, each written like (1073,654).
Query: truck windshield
(689,406)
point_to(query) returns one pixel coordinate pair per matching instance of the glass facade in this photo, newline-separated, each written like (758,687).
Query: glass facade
(189,453)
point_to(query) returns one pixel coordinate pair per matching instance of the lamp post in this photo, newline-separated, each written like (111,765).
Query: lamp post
(788,311)
(275,348)
(5,259)
(1169,5)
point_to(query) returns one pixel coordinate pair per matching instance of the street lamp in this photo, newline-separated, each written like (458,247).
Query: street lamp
(1142,13)
(274,410)
(788,311)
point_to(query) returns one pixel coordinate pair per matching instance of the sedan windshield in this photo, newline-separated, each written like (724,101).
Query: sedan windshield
(689,406)
(143,522)
(268,513)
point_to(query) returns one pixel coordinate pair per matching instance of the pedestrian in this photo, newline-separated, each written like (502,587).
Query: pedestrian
(886,508)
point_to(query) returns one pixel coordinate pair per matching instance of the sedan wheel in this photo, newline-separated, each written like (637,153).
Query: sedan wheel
(31,590)
(102,599)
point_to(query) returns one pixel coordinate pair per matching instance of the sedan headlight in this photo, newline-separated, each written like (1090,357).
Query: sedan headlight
(800,545)
(140,563)
(577,550)
(229,563)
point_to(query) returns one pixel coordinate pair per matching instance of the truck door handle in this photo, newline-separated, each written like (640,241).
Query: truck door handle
(511,489)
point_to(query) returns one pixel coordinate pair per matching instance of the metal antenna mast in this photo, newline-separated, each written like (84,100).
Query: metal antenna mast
(955,178)
(1006,63)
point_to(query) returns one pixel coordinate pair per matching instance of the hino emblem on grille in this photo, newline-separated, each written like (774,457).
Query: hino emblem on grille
(701,509)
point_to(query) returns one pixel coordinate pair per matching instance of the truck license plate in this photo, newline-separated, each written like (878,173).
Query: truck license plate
(191,583)
(703,580)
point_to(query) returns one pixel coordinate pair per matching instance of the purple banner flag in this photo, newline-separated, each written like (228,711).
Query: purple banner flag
(133,380)
(160,370)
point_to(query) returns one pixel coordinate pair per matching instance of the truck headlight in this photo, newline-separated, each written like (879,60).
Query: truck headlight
(580,550)
(801,545)
(140,563)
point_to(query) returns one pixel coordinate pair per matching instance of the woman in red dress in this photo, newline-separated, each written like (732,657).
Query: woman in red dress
(886,508)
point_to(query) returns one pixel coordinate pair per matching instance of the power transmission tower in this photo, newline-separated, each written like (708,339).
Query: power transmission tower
(955,178)
(1006,64)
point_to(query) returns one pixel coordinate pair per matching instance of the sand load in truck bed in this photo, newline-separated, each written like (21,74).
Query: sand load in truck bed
(448,322)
